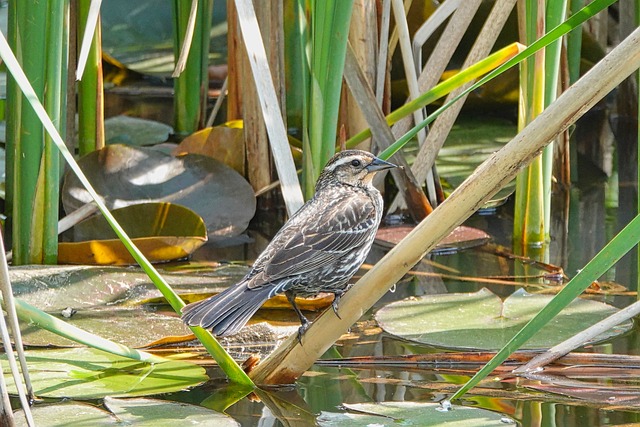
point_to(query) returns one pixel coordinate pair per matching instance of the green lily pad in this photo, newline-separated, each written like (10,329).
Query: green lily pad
(53,288)
(162,231)
(126,176)
(394,414)
(66,414)
(92,374)
(131,326)
(482,321)
(108,301)
(134,131)
(138,411)
(161,413)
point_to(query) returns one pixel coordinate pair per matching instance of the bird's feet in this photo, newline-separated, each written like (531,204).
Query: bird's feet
(334,304)
(302,329)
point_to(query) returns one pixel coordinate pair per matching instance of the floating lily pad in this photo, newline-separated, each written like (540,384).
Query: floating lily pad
(134,131)
(130,175)
(65,414)
(93,374)
(224,143)
(394,414)
(482,321)
(130,326)
(162,231)
(460,238)
(161,413)
(107,301)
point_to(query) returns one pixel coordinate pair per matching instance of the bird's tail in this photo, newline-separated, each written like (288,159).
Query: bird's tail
(227,312)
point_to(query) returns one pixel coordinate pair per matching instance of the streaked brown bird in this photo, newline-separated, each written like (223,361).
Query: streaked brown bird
(317,250)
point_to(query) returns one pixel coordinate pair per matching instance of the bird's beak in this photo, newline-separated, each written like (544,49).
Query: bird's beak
(379,165)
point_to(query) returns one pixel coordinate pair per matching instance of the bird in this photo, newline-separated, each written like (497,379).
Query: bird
(318,249)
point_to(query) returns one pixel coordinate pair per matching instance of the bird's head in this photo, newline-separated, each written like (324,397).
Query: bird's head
(352,167)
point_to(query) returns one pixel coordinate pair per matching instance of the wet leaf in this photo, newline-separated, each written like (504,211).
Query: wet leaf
(224,143)
(162,231)
(93,374)
(134,131)
(161,413)
(129,175)
(412,414)
(481,320)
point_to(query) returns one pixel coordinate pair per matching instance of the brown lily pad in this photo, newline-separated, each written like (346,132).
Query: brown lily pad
(460,238)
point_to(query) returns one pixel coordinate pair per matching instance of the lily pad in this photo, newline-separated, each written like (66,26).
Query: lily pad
(134,131)
(130,326)
(394,414)
(224,143)
(130,175)
(92,374)
(65,414)
(462,237)
(96,299)
(138,412)
(482,321)
(161,413)
(162,231)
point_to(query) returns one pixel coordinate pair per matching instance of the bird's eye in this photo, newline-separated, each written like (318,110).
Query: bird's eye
(355,163)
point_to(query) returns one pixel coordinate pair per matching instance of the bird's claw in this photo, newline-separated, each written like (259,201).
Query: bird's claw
(301,330)
(334,305)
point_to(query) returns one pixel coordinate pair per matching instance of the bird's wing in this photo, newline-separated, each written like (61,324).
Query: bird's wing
(317,240)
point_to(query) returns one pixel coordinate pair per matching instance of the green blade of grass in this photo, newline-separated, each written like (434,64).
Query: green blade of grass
(230,367)
(89,75)
(39,318)
(329,34)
